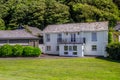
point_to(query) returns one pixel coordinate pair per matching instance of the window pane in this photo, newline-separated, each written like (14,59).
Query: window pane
(47,37)
(94,36)
(75,48)
(94,48)
(65,48)
(74,53)
(59,37)
(48,48)
(70,48)
(57,48)
(65,53)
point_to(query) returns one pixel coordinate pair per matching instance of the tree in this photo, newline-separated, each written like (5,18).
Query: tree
(56,13)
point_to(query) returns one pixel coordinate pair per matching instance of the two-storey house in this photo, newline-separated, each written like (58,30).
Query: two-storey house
(76,39)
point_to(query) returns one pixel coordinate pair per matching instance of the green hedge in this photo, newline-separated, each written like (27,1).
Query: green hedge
(31,52)
(19,51)
(6,50)
(113,49)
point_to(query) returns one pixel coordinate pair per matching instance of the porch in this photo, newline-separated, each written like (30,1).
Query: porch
(71,50)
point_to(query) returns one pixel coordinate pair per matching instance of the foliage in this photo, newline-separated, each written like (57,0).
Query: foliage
(110,37)
(17,50)
(6,50)
(40,13)
(30,51)
(113,49)
(36,51)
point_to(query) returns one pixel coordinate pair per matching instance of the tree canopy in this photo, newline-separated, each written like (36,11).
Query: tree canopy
(39,13)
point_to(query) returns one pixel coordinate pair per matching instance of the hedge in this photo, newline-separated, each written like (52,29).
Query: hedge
(113,50)
(19,51)
(6,50)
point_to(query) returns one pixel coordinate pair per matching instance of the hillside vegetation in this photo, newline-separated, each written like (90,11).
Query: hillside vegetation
(40,13)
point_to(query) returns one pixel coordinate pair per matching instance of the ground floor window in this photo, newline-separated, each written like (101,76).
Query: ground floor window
(75,48)
(57,48)
(48,48)
(70,48)
(74,53)
(65,53)
(65,48)
(94,47)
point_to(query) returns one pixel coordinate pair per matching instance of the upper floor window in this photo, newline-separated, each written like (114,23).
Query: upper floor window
(59,37)
(94,36)
(47,37)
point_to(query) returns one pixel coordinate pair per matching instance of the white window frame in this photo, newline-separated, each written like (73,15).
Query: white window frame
(94,47)
(48,48)
(47,37)
(94,36)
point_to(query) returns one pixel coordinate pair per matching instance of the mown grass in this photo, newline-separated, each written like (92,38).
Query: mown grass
(59,69)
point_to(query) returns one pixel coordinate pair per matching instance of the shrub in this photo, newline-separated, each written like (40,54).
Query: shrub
(36,51)
(17,50)
(110,37)
(6,50)
(113,49)
(28,51)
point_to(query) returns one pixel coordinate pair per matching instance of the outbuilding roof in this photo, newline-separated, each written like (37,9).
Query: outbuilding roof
(16,34)
(76,27)
(35,31)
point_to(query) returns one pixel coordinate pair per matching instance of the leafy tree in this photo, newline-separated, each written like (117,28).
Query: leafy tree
(56,13)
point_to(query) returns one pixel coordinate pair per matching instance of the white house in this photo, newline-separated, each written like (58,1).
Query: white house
(76,39)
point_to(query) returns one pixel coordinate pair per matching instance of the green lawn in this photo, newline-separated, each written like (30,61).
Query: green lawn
(59,69)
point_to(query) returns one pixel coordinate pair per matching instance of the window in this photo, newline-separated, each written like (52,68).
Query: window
(75,48)
(70,48)
(74,53)
(59,39)
(19,41)
(48,48)
(66,33)
(3,41)
(94,36)
(57,48)
(47,37)
(65,48)
(65,53)
(94,48)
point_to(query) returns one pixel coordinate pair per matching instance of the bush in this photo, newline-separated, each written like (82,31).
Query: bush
(6,50)
(36,51)
(17,50)
(113,49)
(30,51)
(110,37)
(27,51)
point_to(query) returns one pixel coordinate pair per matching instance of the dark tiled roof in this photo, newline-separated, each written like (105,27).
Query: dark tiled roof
(16,34)
(76,27)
